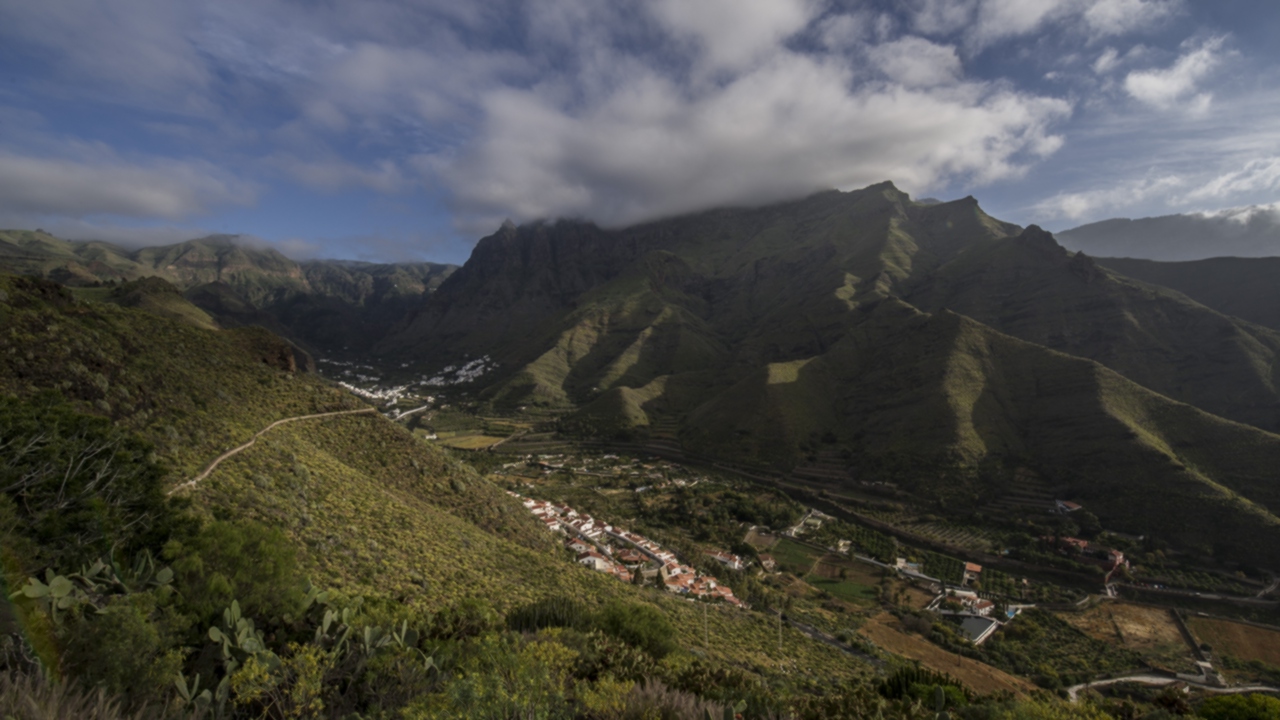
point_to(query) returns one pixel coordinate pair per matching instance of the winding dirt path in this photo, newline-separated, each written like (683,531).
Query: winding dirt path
(236,450)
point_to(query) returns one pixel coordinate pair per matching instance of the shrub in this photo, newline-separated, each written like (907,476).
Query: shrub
(241,560)
(129,648)
(75,485)
(1240,707)
(638,624)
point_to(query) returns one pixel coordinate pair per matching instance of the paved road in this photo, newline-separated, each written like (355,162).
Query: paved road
(1073,692)
(1270,587)
(236,450)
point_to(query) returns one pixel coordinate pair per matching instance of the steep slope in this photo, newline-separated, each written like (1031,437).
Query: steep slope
(371,510)
(836,324)
(749,274)
(1247,288)
(1031,288)
(913,398)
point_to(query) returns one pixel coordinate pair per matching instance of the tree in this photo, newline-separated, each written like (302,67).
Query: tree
(1240,707)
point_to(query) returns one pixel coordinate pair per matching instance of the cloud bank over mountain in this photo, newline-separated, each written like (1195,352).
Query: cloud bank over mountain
(392,118)
(1238,232)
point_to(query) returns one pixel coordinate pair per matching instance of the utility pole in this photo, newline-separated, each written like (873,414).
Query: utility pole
(779,637)
(706,634)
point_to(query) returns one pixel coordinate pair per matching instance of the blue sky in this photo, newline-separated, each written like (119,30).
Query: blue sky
(388,130)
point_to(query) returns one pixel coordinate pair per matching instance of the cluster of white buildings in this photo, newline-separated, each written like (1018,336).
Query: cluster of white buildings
(455,375)
(622,553)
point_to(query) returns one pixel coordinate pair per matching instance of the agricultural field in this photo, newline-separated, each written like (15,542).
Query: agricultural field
(470,442)
(1197,580)
(794,557)
(1148,631)
(1240,641)
(960,536)
(760,540)
(1041,645)
(850,581)
(886,632)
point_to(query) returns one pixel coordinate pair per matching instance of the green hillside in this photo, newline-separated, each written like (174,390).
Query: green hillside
(324,306)
(882,331)
(1246,288)
(1033,289)
(353,504)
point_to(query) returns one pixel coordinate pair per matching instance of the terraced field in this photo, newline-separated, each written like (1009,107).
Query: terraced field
(1243,642)
(959,536)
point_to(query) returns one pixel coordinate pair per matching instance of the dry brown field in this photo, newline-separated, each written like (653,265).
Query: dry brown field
(1145,630)
(1243,642)
(471,442)
(886,632)
(760,541)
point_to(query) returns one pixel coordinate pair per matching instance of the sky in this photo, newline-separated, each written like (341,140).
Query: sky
(407,129)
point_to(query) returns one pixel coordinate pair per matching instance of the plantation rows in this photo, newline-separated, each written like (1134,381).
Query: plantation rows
(952,535)
(871,543)
(947,569)
(1197,580)
(994,581)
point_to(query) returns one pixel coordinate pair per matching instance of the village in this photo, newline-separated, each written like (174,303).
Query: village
(628,556)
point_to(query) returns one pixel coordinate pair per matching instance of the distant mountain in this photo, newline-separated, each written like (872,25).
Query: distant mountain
(1248,288)
(912,340)
(1242,232)
(325,306)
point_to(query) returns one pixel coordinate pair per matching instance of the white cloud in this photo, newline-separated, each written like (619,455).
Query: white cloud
(791,126)
(734,33)
(131,49)
(985,22)
(916,62)
(1106,61)
(997,19)
(333,174)
(105,184)
(1090,203)
(1118,17)
(1262,174)
(942,17)
(1162,88)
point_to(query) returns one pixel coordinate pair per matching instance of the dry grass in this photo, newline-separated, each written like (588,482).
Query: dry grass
(1148,631)
(1243,642)
(27,697)
(471,442)
(760,541)
(886,632)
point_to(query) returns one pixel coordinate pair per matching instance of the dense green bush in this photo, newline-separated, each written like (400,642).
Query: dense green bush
(236,560)
(1240,707)
(638,624)
(76,488)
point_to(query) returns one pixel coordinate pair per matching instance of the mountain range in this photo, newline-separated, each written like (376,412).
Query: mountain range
(1239,232)
(926,344)
(910,339)
(322,306)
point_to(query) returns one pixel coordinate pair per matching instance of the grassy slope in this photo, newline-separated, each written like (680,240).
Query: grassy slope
(323,305)
(1031,288)
(802,336)
(372,509)
(1141,461)
(1243,287)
